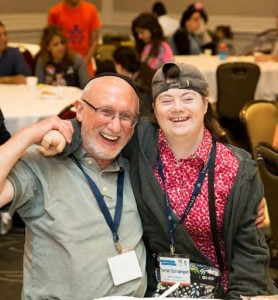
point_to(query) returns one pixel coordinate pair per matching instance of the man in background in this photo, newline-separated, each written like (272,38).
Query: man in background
(169,24)
(265,43)
(13,67)
(127,62)
(80,22)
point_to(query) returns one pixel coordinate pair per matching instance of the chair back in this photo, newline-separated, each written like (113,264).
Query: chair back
(259,119)
(268,167)
(236,85)
(115,38)
(68,112)
(105,51)
(28,58)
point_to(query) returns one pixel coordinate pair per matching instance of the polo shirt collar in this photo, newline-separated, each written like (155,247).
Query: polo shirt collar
(117,166)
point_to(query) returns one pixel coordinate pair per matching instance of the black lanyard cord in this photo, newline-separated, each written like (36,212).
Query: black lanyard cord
(113,224)
(196,191)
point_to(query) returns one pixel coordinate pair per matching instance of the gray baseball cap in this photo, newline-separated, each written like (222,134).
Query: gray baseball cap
(188,77)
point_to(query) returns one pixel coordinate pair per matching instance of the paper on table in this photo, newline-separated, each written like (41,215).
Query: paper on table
(273,297)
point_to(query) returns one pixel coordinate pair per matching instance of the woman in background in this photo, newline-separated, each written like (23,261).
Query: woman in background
(150,42)
(56,63)
(192,37)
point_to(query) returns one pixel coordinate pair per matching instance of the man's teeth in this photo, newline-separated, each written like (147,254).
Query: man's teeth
(109,137)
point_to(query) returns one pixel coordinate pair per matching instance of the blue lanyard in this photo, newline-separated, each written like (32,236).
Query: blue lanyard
(196,191)
(113,225)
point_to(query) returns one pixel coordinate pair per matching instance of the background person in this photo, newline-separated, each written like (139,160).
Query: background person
(186,41)
(127,62)
(273,56)
(149,40)
(56,63)
(264,42)
(168,24)
(224,35)
(193,37)
(68,241)
(13,67)
(80,22)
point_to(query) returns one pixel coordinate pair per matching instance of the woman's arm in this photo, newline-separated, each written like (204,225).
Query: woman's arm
(248,273)
(82,70)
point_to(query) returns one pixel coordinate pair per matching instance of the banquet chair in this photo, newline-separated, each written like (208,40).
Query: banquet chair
(268,168)
(105,51)
(28,58)
(115,38)
(68,112)
(104,58)
(259,119)
(236,85)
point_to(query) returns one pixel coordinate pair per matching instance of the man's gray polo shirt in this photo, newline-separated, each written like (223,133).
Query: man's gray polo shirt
(67,239)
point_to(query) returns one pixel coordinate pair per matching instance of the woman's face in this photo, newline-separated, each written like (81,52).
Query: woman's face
(144,34)
(180,113)
(194,23)
(57,48)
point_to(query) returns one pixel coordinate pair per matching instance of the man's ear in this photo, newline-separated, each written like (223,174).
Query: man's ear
(79,107)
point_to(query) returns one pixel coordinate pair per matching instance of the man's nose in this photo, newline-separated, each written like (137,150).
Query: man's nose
(115,124)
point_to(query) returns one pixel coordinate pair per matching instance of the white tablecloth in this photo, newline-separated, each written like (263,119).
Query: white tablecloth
(23,105)
(267,88)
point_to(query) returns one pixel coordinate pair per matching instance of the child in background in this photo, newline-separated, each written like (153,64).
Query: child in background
(224,35)
(57,64)
(149,40)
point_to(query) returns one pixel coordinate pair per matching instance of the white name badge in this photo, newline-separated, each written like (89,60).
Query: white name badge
(174,269)
(124,267)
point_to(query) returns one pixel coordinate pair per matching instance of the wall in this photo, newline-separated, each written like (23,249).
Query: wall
(26,18)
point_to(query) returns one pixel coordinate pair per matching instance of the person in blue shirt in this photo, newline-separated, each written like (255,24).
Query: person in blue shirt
(13,67)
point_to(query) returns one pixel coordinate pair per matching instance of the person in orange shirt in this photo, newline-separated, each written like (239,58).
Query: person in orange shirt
(80,22)
(275,137)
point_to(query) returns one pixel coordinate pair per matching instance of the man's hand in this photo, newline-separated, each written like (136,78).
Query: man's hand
(53,143)
(261,214)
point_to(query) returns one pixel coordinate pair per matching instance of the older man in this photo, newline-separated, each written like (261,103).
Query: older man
(13,67)
(79,242)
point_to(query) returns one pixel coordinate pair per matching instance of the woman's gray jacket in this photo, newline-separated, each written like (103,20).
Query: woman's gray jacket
(246,248)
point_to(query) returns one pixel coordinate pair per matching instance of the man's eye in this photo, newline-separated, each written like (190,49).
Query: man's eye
(107,112)
(126,117)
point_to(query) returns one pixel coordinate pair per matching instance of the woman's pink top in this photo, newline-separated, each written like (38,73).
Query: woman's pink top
(165,54)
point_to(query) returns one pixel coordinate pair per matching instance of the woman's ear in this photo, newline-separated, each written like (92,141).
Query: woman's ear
(206,102)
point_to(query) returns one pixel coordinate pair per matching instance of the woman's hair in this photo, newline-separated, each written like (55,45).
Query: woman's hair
(190,10)
(148,21)
(48,33)
(225,30)
(210,122)
(128,58)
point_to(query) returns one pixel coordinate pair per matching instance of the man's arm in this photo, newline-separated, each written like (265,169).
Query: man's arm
(14,148)
(17,79)
(93,45)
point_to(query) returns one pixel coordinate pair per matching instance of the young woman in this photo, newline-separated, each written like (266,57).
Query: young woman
(150,42)
(57,64)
